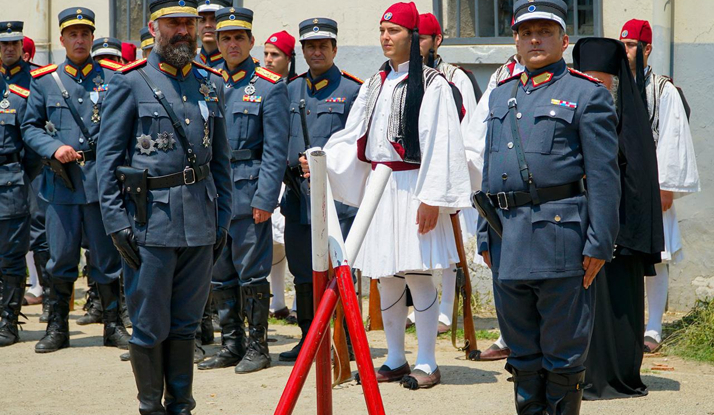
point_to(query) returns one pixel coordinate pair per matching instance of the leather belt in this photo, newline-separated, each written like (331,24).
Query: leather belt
(246,154)
(507,200)
(187,177)
(86,155)
(9,158)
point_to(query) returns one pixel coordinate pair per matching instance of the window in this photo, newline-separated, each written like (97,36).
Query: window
(128,17)
(489,21)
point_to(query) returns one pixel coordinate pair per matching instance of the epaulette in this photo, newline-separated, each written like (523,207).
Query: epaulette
(302,75)
(43,70)
(268,75)
(584,76)
(510,78)
(352,77)
(19,91)
(208,68)
(256,62)
(104,63)
(133,65)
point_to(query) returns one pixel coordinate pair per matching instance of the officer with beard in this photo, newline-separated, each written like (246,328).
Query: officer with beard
(167,149)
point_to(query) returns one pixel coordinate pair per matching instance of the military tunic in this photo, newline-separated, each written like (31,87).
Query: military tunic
(18,74)
(328,101)
(166,296)
(213,60)
(567,122)
(48,125)
(257,125)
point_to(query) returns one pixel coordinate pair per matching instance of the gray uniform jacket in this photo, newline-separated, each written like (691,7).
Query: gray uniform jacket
(257,120)
(567,122)
(181,216)
(328,100)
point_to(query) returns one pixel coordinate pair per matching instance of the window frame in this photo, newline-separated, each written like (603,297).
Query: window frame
(126,33)
(492,40)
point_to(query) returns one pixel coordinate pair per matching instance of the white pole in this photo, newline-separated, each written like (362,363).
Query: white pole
(661,57)
(318,210)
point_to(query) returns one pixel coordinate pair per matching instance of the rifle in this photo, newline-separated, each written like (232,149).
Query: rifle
(374,320)
(463,288)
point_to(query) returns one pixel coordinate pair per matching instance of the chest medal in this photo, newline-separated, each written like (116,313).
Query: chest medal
(165,141)
(145,145)
(50,129)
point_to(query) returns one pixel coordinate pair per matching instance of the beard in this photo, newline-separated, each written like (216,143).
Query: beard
(177,56)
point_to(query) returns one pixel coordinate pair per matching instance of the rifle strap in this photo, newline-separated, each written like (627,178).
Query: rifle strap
(73,110)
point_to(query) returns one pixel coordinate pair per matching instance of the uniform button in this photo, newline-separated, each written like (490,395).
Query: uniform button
(188,121)
(504,176)
(156,113)
(184,98)
(80,100)
(308,112)
(510,145)
(330,110)
(128,189)
(58,104)
(245,111)
(528,92)
(519,115)
(557,218)
(9,183)
(552,113)
(2,122)
(492,113)
(81,140)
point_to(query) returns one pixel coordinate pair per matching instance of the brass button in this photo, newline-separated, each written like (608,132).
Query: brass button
(557,218)
(519,115)
(128,189)
(504,176)
(184,98)
(138,190)
(58,104)
(2,122)
(188,121)
(245,111)
(510,145)
(9,183)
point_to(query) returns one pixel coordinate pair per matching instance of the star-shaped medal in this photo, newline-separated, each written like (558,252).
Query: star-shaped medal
(51,129)
(206,138)
(165,141)
(145,144)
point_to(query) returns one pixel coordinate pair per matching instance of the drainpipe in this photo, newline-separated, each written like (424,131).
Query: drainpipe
(663,35)
(43,42)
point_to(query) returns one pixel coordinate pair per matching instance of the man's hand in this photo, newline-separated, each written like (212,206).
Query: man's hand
(486,258)
(304,167)
(221,240)
(592,267)
(667,199)
(66,154)
(260,216)
(125,242)
(427,216)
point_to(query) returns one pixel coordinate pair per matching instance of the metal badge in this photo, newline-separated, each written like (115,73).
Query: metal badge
(145,144)
(96,118)
(250,89)
(205,90)
(165,141)
(98,81)
(4,104)
(51,129)
(206,138)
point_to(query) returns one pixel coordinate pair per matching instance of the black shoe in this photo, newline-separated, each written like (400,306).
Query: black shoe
(13,291)
(305,313)
(57,333)
(178,373)
(93,307)
(564,392)
(115,335)
(125,357)
(233,337)
(198,353)
(206,327)
(224,358)
(256,303)
(148,367)
(529,390)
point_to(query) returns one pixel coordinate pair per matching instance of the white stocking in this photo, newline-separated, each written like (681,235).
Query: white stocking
(36,287)
(448,293)
(500,343)
(392,291)
(656,288)
(277,279)
(425,296)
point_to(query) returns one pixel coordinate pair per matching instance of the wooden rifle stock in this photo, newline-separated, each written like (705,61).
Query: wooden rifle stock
(463,288)
(374,320)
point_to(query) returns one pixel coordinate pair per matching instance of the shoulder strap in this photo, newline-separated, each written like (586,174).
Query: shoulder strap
(515,132)
(175,122)
(73,110)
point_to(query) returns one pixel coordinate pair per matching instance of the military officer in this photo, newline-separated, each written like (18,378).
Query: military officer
(107,49)
(170,154)
(61,125)
(257,122)
(147,42)
(14,209)
(14,69)
(329,94)
(209,54)
(548,128)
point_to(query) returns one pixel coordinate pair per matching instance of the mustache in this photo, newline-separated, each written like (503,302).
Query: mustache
(179,38)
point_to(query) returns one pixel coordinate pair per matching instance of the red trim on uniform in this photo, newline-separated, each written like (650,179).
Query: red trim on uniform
(43,70)
(398,148)
(512,77)
(19,90)
(352,77)
(104,63)
(583,75)
(208,68)
(133,65)
(297,76)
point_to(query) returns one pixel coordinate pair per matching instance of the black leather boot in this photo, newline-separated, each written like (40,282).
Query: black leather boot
(305,314)
(148,367)
(57,333)
(13,290)
(564,392)
(529,390)
(256,303)
(93,306)
(233,339)
(178,373)
(206,327)
(41,257)
(45,316)
(123,310)
(115,335)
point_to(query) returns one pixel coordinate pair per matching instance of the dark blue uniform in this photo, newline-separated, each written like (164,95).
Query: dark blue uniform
(18,74)
(214,59)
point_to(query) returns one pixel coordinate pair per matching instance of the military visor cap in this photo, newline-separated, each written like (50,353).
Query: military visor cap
(553,10)
(318,28)
(76,16)
(172,8)
(234,18)
(147,39)
(11,31)
(106,46)
(212,6)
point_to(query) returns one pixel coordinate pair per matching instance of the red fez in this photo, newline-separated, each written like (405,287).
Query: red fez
(402,14)
(283,41)
(28,46)
(428,25)
(128,52)
(639,30)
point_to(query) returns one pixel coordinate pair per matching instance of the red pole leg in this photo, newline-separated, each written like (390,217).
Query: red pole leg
(323,361)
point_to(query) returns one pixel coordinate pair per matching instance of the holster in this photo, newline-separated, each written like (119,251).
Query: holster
(484,205)
(136,185)
(59,169)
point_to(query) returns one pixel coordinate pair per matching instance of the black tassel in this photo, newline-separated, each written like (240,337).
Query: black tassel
(415,95)
(291,71)
(431,60)
(410,383)
(640,72)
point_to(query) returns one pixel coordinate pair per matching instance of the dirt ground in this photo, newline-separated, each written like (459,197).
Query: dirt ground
(90,379)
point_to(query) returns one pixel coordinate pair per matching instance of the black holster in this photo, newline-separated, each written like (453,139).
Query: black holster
(59,169)
(136,185)
(487,210)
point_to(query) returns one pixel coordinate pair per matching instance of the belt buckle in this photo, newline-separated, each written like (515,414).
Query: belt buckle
(189,176)
(82,158)
(502,200)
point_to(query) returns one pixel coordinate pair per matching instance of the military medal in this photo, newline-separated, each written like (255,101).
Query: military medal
(145,144)
(206,137)
(94,95)
(165,141)
(250,89)
(51,129)
(206,91)
(4,104)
